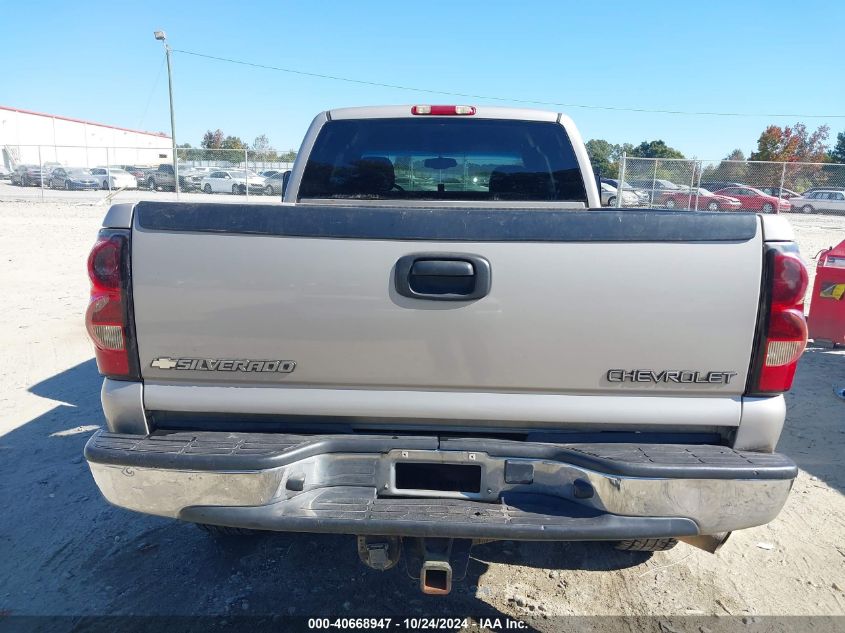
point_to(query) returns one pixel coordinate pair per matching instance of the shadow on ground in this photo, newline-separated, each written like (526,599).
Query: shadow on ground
(814,433)
(67,552)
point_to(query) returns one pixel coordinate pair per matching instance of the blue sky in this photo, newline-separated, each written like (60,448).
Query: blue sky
(99,61)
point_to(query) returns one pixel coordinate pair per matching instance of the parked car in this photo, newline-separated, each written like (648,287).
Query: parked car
(718,185)
(5,174)
(755,200)
(140,173)
(191,177)
(822,200)
(815,189)
(73,178)
(643,199)
(609,194)
(784,193)
(198,171)
(115,178)
(274,185)
(270,172)
(704,200)
(467,396)
(29,175)
(162,178)
(658,189)
(659,184)
(232,181)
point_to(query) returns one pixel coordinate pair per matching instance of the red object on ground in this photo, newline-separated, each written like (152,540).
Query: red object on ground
(827,303)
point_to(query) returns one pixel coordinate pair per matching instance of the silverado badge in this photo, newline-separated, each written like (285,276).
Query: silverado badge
(212,364)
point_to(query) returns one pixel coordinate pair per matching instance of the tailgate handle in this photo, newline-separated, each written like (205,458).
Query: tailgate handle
(443,276)
(442,268)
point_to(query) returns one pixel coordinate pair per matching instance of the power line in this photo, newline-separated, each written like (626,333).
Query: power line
(504,99)
(152,91)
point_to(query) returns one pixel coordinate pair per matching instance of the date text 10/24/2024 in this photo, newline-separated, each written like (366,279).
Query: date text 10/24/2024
(415,624)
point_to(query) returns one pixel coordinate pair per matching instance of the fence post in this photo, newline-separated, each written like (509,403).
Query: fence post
(782,179)
(41,170)
(176,187)
(698,186)
(622,167)
(246,172)
(691,185)
(653,182)
(108,169)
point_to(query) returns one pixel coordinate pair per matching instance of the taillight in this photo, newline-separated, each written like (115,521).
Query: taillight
(789,280)
(443,110)
(108,317)
(783,329)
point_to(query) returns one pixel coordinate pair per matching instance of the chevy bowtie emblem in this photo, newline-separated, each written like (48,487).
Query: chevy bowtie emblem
(213,364)
(164,363)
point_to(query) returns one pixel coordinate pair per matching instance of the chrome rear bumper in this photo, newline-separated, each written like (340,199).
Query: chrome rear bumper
(531,491)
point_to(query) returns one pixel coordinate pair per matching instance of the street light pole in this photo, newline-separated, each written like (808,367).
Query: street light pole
(161,35)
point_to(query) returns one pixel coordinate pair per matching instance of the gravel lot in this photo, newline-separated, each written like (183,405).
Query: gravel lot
(64,551)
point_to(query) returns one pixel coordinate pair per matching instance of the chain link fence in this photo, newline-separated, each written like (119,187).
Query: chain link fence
(134,173)
(726,185)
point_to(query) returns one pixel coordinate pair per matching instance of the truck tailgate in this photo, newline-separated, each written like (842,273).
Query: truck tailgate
(580,302)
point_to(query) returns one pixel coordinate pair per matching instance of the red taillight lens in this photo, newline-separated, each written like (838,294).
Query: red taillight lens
(443,110)
(107,317)
(784,333)
(789,281)
(104,262)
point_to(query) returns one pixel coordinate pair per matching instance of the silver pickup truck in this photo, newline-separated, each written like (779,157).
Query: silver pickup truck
(439,337)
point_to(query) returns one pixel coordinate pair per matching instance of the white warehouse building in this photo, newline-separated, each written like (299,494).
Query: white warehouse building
(28,137)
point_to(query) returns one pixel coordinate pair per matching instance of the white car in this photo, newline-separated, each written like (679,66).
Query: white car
(822,200)
(197,171)
(115,178)
(608,197)
(232,181)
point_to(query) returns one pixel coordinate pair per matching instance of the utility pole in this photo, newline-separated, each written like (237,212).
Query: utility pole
(162,36)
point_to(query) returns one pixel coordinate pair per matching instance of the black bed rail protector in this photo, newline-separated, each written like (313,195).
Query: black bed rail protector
(351,510)
(209,451)
(446,224)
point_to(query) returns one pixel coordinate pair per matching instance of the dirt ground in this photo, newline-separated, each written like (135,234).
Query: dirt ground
(64,551)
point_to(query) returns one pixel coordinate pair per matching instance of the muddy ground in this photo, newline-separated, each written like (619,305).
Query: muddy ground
(64,551)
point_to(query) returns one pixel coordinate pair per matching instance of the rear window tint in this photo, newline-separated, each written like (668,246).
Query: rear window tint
(443,159)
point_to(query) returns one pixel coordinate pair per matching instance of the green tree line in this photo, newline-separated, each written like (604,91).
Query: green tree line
(216,145)
(792,144)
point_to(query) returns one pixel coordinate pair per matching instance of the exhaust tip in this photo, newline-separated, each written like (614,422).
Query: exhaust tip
(436,578)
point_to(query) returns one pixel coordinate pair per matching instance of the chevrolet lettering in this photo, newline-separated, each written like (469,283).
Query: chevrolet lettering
(681,376)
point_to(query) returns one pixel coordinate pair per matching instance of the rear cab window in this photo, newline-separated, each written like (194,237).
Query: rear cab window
(443,159)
